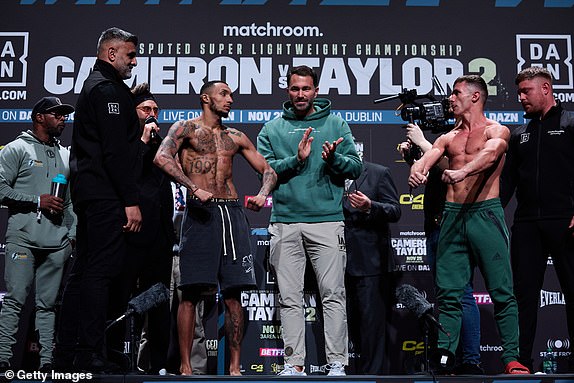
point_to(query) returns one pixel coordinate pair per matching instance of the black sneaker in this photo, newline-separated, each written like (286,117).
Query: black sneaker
(64,358)
(46,367)
(468,369)
(95,363)
(4,366)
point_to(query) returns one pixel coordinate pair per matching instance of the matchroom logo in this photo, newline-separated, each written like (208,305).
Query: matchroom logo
(13,54)
(553,52)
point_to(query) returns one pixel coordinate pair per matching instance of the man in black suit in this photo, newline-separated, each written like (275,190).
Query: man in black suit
(371,202)
(150,251)
(105,161)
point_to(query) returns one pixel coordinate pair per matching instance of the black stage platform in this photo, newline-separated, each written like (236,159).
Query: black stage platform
(540,378)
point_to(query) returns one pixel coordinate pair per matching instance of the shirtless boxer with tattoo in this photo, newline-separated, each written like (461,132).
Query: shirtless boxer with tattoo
(214,248)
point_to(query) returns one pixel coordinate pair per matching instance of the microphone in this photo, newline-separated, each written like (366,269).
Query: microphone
(416,303)
(154,138)
(152,297)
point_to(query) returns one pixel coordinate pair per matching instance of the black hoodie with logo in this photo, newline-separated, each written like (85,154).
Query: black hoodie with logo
(540,167)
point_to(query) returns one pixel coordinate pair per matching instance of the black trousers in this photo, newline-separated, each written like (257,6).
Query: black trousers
(368,303)
(532,243)
(100,253)
(144,266)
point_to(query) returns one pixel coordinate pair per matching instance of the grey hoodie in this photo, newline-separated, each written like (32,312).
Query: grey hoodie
(27,166)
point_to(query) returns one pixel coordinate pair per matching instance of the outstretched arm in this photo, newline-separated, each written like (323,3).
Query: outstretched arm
(257,162)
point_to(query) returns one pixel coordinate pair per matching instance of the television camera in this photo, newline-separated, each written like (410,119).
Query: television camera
(433,115)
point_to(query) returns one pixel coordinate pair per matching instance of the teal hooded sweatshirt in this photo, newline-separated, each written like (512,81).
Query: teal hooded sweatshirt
(310,192)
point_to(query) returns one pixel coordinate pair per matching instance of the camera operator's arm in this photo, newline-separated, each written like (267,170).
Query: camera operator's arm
(404,148)
(416,136)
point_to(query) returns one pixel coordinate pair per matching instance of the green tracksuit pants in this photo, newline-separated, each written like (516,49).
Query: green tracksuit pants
(475,234)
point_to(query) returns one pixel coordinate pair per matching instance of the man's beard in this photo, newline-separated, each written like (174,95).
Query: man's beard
(126,72)
(55,132)
(306,108)
(219,112)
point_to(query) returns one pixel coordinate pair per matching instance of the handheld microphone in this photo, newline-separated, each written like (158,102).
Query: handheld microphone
(416,303)
(153,136)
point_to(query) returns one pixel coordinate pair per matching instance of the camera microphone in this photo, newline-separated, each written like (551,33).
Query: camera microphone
(152,297)
(415,302)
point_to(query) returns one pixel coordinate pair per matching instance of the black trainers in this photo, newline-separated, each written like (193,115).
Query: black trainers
(64,358)
(95,363)
(46,367)
(468,369)
(4,366)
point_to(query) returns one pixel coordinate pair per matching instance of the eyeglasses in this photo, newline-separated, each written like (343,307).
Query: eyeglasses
(148,109)
(59,116)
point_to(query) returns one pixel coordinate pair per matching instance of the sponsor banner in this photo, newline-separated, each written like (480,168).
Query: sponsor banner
(410,251)
(252,45)
(549,298)
(482,298)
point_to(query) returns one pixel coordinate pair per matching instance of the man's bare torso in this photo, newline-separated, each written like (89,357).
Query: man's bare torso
(206,157)
(463,147)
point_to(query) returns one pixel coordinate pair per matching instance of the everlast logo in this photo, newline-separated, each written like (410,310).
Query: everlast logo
(551,298)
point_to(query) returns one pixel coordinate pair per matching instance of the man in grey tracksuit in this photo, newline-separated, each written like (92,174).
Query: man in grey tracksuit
(41,226)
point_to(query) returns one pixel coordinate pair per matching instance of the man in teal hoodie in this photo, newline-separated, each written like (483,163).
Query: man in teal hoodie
(41,226)
(307,215)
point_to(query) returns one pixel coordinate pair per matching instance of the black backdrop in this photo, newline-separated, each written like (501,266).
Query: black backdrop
(362,49)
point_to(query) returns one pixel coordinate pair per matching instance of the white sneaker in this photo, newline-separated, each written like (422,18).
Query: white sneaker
(290,370)
(336,369)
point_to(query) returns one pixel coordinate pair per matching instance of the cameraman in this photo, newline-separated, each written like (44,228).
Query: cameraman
(435,194)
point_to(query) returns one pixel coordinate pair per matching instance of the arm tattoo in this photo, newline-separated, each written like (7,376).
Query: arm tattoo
(268,182)
(167,152)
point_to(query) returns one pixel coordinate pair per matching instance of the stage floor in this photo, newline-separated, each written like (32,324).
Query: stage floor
(541,378)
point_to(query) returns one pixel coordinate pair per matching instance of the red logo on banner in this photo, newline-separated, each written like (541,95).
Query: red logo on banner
(268,200)
(482,299)
(271,352)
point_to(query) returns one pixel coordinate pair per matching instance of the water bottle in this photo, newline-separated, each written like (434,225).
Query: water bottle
(59,185)
(549,363)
